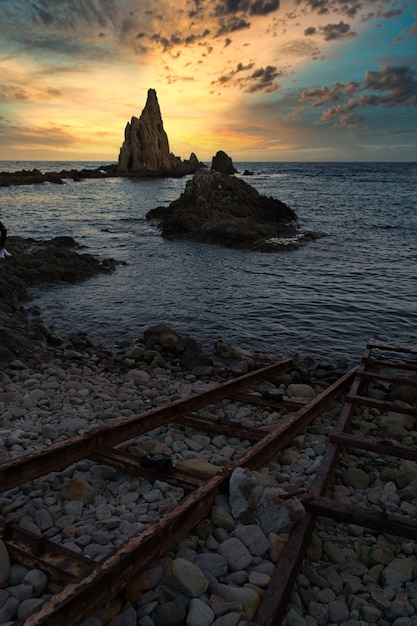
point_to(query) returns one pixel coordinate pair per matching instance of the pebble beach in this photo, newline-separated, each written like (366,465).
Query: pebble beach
(218,574)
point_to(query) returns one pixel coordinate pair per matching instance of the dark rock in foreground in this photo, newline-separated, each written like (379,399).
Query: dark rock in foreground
(223,210)
(36,263)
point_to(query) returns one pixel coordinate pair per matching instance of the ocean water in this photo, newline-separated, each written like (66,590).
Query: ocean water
(326,299)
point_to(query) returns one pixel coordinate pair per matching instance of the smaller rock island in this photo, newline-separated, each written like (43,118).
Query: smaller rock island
(220,209)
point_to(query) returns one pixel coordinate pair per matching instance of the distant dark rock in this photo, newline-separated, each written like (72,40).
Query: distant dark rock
(219,209)
(145,150)
(35,176)
(222,162)
(247,173)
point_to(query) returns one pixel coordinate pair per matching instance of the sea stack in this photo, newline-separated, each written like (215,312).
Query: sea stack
(145,150)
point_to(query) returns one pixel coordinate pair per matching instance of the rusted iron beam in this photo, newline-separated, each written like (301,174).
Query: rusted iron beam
(82,597)
(383,363)
(274,603)
(382,405)
(129,464)
(62,565)
(222,426)
(394,380)
(348,409)
(275,600)
(252,398)
(374,344)
(360,516)
(55,457)
(380,446)
(293,424)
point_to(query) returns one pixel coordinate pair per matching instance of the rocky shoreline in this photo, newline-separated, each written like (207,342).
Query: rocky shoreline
(52,389)
(217,574)
(23,334)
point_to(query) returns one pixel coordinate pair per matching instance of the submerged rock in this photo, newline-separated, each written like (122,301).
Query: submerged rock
(219,209)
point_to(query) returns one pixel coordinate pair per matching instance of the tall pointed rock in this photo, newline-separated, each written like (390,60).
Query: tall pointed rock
(145,150)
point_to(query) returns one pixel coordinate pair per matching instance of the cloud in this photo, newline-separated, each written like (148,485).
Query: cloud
(397,83)
(325,7)
(246,7)
(261,79)
(336,31)
(231,25)
(390,87)
(38,137)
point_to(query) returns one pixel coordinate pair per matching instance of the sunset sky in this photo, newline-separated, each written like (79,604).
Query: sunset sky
(264,80)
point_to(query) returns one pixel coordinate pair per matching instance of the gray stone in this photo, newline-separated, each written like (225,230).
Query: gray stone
(170,613)
(199,613)
(355,477)
(301,390)
(253,538)
(245,596)
(27,606)
(38,581)
(126,618)
(230,619)
(186,577)
(236,554)
(338,611)
(211,563)
(222,518)
(398,572)
(9,610)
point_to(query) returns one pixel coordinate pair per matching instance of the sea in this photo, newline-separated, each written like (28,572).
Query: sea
(355,282)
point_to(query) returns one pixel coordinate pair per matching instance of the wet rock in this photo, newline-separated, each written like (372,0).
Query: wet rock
(33,263)
(219,209)
(222,162)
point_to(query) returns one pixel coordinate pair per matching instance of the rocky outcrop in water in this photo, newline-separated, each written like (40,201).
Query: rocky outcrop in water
(219,209)
(145,150)
(36,177)
(222,162)
(22,333)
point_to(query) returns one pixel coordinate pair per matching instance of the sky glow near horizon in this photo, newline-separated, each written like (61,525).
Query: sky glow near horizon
(264,80)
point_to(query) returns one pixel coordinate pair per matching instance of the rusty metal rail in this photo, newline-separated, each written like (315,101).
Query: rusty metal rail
(380,364)
(87,585)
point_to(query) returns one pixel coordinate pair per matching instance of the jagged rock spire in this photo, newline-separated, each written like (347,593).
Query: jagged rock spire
(145,150)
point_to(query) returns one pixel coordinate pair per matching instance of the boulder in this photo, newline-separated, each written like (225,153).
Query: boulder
(222,162)
(145,150)
(220,209)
